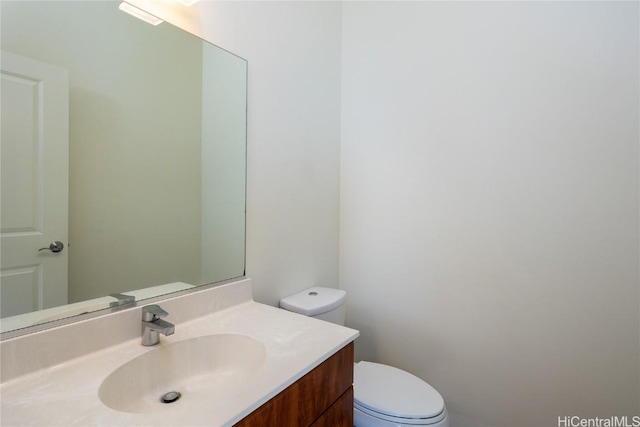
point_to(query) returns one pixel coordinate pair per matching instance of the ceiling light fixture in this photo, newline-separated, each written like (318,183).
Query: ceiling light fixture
(140,14)
(188,2)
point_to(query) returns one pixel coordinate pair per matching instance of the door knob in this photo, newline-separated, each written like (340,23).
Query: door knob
(54,247)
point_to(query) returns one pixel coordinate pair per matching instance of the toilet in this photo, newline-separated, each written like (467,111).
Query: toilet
(384,396)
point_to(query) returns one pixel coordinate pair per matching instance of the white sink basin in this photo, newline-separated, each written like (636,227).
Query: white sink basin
(197,368)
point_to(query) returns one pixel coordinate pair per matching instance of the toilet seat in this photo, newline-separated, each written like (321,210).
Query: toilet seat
(378,419)
(394,395)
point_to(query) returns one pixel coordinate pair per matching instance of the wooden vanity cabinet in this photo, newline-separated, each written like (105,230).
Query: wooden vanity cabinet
(321,398)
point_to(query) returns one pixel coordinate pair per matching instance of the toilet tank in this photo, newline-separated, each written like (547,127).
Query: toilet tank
(322,303)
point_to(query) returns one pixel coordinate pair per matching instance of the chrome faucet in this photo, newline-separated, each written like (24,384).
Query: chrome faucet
(153,325)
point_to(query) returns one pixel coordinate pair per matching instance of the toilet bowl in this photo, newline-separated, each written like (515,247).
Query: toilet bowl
(384,396)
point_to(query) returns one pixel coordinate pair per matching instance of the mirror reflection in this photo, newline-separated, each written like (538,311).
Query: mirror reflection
(123,141)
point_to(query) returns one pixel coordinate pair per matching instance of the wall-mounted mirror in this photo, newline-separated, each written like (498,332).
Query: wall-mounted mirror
(126,143)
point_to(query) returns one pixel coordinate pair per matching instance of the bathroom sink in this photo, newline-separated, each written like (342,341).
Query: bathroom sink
(182,372)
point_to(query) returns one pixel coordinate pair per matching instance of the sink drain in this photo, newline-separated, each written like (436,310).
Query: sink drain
(170,397)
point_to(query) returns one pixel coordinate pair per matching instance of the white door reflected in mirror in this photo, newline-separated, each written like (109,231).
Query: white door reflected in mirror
(35,146)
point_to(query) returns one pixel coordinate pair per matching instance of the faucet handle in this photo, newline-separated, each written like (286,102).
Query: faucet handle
(122,299)
(153,312)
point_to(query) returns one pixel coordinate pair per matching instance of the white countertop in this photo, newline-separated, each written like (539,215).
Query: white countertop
(67,394)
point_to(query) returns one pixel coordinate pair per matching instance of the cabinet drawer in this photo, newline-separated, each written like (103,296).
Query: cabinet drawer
(304,401)
(340,414)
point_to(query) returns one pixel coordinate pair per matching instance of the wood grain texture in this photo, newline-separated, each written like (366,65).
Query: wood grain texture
(340,414)
(303,402)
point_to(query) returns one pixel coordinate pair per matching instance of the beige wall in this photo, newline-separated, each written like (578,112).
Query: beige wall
(490,202)
(134,142)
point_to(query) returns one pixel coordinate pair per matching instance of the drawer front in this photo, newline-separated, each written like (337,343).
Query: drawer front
(304,401)
(340,414)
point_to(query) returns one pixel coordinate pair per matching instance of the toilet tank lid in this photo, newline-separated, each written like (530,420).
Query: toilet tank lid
(314,301)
